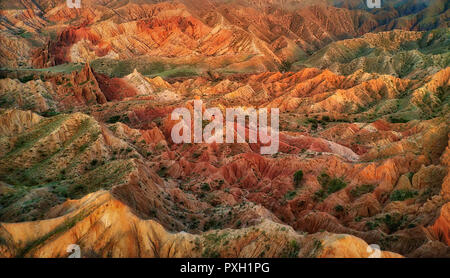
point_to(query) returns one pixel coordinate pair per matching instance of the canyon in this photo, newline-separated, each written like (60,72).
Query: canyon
(87,156)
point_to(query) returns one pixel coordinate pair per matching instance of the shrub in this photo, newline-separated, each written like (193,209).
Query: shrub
(335,185)
(290,195)
(361,190)
(285,66)
(208,253)
(162,172)
(402,194)
(410,176)
(205,187)
(320,195)
(329,186)
(314,123)
(323,179)
(398,120)
(24,34)
(49,113)
(339,208)
(25,79)
(291,251)
(371,225)
(113,119)
(298,176)
(394,222)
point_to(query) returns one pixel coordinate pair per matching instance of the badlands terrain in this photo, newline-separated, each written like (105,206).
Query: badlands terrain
(87,158)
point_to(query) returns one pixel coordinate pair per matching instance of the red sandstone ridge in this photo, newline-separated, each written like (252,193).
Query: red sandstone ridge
(256,37)
(440,227)
(109,214)
(114,88)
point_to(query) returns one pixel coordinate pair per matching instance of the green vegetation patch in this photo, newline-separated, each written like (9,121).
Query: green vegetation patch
(27,140)
(329,186)
(290,195)
(101,177)
(402,194)
(291,250)
(298,176)
(212,242)
(361,190)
